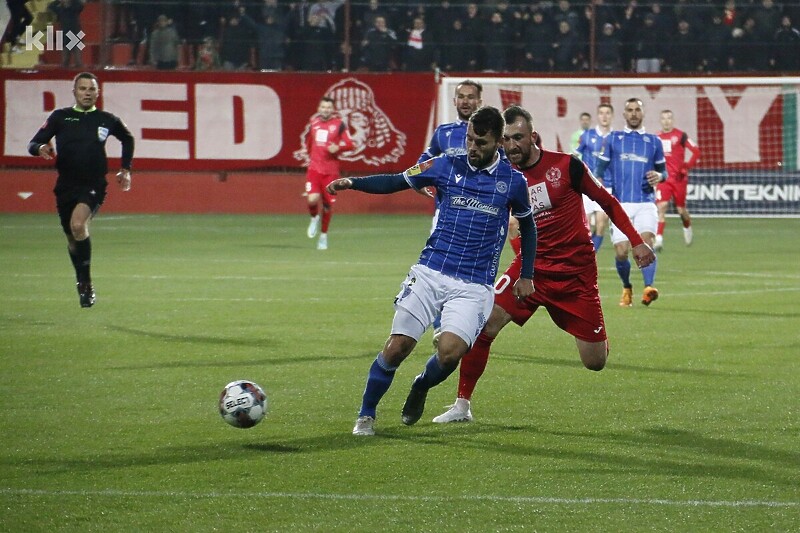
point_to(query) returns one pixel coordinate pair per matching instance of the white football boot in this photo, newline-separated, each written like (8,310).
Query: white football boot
(313,227)
(659,244)
(365,426)
(687,236)
(458,412)
(322,243)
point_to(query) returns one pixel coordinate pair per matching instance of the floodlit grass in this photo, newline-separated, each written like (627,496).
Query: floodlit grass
(109,419)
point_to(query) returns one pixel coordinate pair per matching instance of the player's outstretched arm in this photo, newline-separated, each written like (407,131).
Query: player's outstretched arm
(375,184)
(340,184)
(643,255)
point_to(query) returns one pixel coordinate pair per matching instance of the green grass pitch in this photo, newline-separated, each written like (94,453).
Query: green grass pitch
(109,419)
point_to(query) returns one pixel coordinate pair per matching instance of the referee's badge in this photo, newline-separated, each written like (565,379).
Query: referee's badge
(102,133)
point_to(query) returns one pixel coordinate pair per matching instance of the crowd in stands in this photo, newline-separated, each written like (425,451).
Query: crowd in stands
(493,35)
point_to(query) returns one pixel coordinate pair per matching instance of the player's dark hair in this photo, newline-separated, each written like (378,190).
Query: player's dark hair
(327,99)
(83,76)
(585,114)
(471,83)
(634,100)
(488,119)
(667,111)
(609,106)
(513,112)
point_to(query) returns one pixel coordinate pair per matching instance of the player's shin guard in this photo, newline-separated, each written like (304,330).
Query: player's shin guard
(379,380)
(649,273)
(432,375)
(624,271)
(327,213)
(73,257)
(83,257)
(472,366)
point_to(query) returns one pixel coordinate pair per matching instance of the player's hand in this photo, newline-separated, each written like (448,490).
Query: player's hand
(682,174)
(653,178)
(333,148)
(643,255)
(523,288)
(124,179)
(426,191)
(341,184)
(47,151)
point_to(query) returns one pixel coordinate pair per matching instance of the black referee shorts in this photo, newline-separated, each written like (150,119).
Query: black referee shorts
(69,197)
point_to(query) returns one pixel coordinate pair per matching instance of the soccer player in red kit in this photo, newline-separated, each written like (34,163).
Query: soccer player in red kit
(327,137)
(565,268)
(675,143)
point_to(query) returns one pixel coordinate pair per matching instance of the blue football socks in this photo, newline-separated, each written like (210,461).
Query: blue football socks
(624,271)
(597,241)
(649,273)
(378,382)
(432,375)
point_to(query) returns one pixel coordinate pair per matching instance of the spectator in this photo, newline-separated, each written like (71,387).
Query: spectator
(326,11)
(747,52)
(497,44)
(20,18)
(236,44)
(648,50)
(317,41)
(453,58)
(296,22)
(607,50)
(564,12)
(474,25)
(730,14)
(696,14)
(786,47)
(714,49)
(767,18)
(538,37)
(683,50)
(163,44)
(419,53)
(207,55)
(378,47)
(68,13)
(566,55)
(270,37)
(630,22)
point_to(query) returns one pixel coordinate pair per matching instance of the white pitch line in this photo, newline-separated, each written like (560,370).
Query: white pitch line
(535,500)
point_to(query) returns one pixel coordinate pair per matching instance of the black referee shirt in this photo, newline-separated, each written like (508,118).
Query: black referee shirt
(81,143)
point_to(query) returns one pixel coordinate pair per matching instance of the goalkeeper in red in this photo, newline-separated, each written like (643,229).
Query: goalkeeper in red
(676,143)
(565,267)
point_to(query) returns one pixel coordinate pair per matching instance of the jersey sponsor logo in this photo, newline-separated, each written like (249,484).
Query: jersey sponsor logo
(419,168)
(102,133)
(501,187)
(634,157)
(667,145)
(376,141)
(456,151)
(553,175)
(473,204)
(540,198)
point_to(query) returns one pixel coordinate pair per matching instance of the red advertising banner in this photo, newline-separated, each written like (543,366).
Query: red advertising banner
(230,121)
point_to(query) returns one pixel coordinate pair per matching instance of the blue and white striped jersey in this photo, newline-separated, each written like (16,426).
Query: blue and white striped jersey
(631,154)
(448,139)
(590,145)
(473,214)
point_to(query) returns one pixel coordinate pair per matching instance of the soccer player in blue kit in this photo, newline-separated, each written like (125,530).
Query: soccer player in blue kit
(637,166)
(457,267)
(451,139)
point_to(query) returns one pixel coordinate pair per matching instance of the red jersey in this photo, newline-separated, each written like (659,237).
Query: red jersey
(675,143)
(556,182)
(321,134)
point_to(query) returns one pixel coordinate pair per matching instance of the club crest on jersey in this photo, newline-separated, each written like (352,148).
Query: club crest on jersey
(553,175)
(502,187)
(102,133)
(419,168)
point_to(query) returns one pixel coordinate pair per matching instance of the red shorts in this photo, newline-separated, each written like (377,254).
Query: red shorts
(316,183)
(672,189)
(572,300)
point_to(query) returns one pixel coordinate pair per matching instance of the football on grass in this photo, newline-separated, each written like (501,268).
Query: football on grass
(242,404)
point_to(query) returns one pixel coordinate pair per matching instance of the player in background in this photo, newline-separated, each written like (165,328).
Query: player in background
(565,268)
(589,147)
(457,267)
(81,132)
(637,167)
(585,120)
(676,143)
(450,139)
(327,138)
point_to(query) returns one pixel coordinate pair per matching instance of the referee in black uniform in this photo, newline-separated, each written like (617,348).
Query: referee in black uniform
(81,132)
